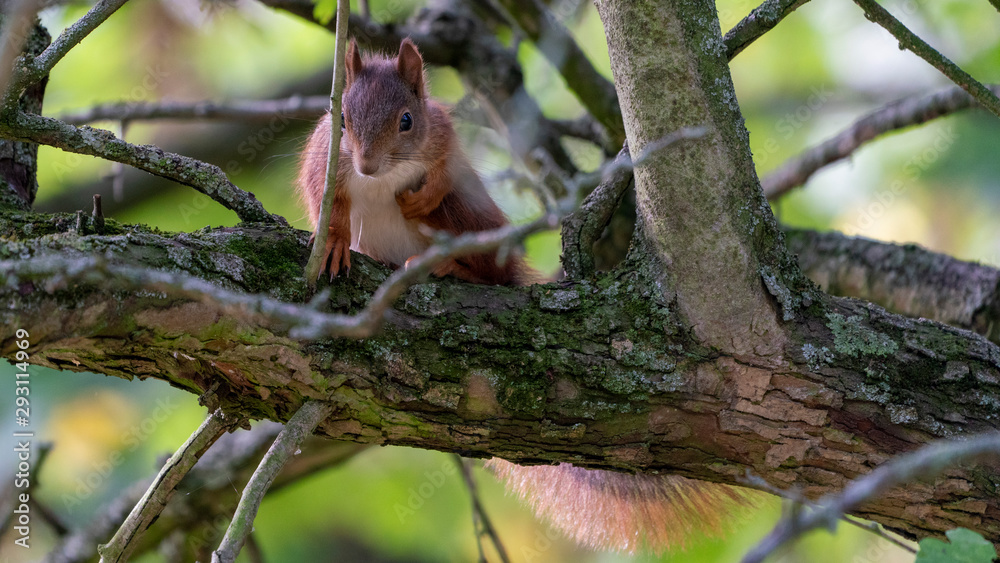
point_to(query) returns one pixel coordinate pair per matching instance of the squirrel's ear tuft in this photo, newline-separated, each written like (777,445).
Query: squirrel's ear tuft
(410,66)
(353,62)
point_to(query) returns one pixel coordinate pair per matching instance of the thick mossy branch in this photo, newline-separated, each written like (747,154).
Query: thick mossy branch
(906,279)
(603,373)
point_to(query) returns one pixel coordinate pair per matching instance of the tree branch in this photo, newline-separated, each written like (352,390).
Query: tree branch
(299,427)
(909,40)
(928,461)
(897,115)
(293,107)
(906,279)
(231,460)
(152,503)
(206,178)
(37,69)
(761,19)
(605,366)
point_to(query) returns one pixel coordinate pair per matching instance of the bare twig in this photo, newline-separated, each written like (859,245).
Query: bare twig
(319,255)
(481,522)
(368,321)
(206,178)
(557,45)
(925,462)
(892,117)
(210,484)
(878,530)
(295,107)
(762,19)
(148,509)
(909,40)
(299,427)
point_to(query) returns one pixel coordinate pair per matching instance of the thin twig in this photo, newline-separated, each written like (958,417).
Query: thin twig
(481,522)
(318,256)
(892,117)
(878,530)
(295,107)
(925,462)
(761,19)
(149,507)
(299,427)
(365,323)
(909,40)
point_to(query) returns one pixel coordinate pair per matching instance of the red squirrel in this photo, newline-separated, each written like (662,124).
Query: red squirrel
(401,167)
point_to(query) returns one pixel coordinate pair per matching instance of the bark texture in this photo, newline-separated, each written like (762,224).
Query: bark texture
(699,202)
(600,373)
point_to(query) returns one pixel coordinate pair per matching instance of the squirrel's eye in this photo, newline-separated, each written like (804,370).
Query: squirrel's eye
(406,122)
(342,120)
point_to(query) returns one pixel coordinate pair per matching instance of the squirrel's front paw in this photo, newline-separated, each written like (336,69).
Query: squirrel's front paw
(415,204)
(337,254)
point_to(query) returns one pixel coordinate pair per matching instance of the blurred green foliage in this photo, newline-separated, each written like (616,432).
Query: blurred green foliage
(820,69)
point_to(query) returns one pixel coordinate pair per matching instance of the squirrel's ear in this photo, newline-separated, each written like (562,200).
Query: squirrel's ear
(353,62)
(410,66)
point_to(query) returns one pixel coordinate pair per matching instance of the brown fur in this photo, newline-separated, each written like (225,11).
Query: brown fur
(599,509)
(447,196)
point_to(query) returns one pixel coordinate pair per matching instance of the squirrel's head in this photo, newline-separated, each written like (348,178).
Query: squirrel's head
(384,109)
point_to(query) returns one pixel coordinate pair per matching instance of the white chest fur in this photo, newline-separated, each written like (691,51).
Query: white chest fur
(378,229)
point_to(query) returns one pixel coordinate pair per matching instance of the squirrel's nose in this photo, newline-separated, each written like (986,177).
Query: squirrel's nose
(366,163)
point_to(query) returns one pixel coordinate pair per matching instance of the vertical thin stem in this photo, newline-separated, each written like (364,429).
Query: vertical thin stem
(318,254)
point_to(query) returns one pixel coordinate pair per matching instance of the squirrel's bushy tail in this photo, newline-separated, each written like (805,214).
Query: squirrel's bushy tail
(622,511)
